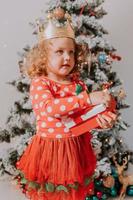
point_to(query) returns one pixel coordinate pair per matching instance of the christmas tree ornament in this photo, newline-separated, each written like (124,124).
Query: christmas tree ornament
(118,58)
(104,197)
(115,57)
(102,57)
(108,181)
(88,198)
(24,191)
(99,194)
(130,191)
(59,13)
(113,192)
(125,180)
(17,163)
(98,182)
(94,198)
(121,94)
(90,191)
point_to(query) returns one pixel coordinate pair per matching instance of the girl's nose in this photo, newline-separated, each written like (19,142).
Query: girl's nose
(66,56)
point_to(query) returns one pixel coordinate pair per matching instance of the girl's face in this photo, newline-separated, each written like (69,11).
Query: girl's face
(60,57)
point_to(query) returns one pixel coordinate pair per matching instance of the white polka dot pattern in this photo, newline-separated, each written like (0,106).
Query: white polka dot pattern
(66,130)
(44,96)
(51,102)
(41,104)
(56,101)
(58,124)
(62,94)
(43,125)
(49,109)
(70,99)
(50,130)
(50,119)
(58,136)
(57,115)
(63,108)
(43,114)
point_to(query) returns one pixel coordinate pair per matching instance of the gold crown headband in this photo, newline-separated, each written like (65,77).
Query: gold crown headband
(58,25)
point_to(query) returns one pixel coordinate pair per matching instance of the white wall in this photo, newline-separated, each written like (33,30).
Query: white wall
(15,32)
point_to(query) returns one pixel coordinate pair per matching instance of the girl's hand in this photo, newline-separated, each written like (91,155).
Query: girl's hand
(99,97)
(105,121)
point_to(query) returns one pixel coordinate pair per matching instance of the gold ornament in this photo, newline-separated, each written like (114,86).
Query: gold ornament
(59,13)
(54,28)
(121,94)
(108,181)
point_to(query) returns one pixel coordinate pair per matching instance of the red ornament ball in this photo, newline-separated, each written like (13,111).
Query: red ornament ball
(24,191)
(99,194)
(17,164)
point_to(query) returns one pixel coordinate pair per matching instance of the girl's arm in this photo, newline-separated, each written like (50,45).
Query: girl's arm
(44,102)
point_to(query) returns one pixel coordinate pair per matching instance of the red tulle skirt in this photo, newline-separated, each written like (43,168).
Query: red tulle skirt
(60,162)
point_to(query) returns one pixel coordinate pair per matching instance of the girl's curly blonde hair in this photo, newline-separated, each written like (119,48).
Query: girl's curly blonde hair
(34,63)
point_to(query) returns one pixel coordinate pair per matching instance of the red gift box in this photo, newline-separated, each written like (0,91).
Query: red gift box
(86,121)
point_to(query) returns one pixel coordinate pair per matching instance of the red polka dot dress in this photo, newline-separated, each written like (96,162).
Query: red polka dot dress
(57,165)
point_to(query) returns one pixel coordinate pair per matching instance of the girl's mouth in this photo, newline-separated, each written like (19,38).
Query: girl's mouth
(66,65)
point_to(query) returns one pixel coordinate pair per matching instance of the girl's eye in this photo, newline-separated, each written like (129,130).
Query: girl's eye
(59,52)
(72,52)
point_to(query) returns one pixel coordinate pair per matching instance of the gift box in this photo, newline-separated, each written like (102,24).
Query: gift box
(84,116)
(86,126)
(86,121)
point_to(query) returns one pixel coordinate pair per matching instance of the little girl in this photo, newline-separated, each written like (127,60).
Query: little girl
(58,165)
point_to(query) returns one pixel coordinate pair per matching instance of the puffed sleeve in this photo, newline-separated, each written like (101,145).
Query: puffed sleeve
(43,100)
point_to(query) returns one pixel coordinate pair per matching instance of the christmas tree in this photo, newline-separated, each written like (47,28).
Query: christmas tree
(96,71)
